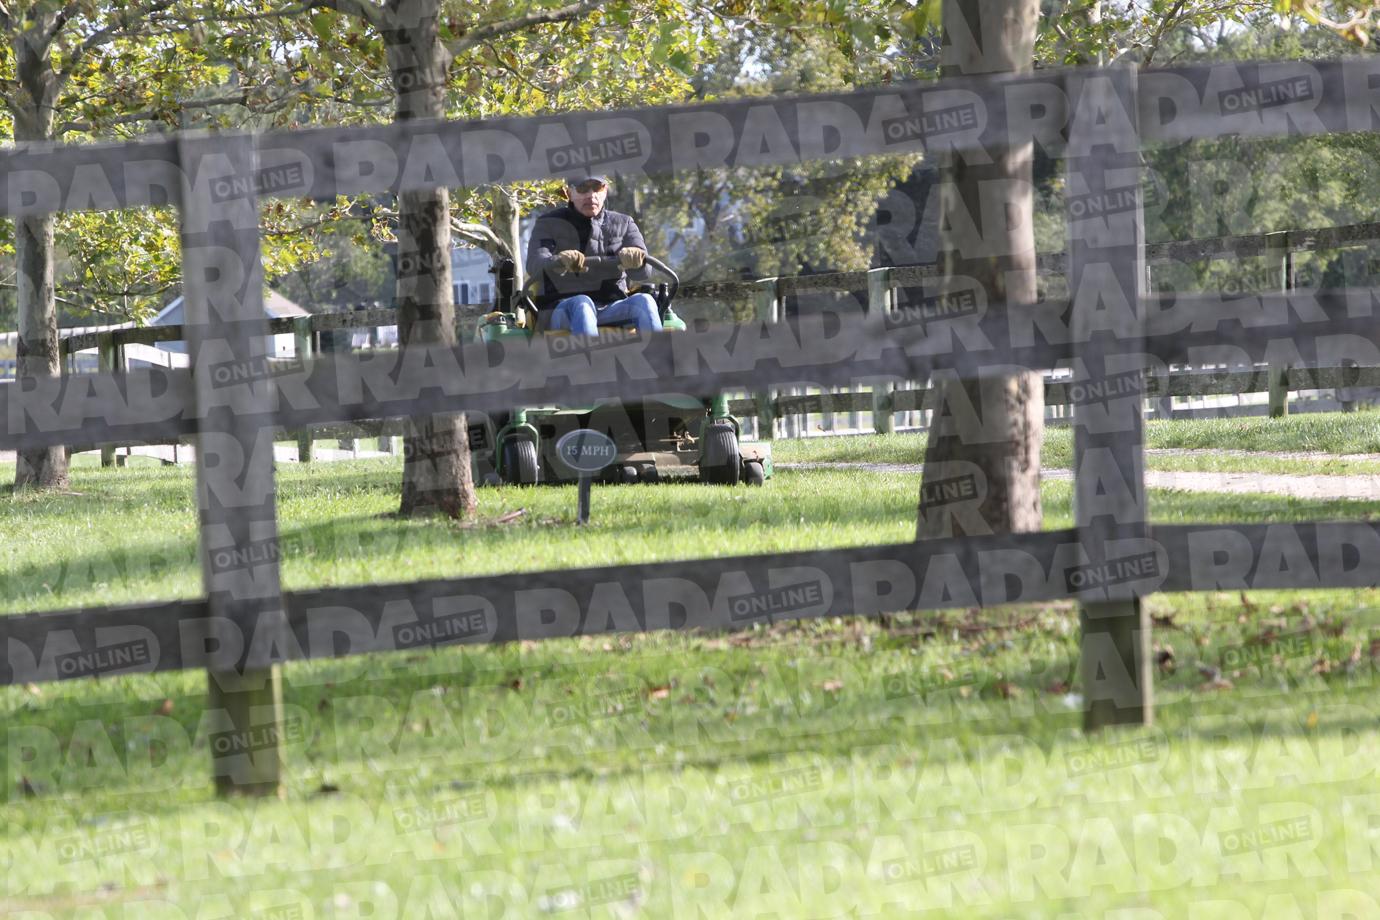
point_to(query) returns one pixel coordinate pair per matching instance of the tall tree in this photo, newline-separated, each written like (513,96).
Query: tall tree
(436,473)
(987,430)
(47,44)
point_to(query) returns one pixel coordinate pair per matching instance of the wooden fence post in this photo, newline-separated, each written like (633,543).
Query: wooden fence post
(1279,255)
(302,339)
(879,301)
(105,357)
(227,339)
(768,309)
(1106,257)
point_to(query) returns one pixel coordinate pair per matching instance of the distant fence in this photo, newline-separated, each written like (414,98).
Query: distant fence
(1107,330)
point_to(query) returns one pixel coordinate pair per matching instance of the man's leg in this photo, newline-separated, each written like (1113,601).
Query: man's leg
(575,314)
(639,310)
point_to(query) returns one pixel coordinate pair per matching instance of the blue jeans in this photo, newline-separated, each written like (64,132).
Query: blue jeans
(579,315)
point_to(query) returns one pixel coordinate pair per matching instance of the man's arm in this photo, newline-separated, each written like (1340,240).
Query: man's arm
(632,239)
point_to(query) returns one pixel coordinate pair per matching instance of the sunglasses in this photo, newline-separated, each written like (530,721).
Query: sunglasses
(589,185)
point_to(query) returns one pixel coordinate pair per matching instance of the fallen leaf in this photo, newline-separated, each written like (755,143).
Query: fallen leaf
(166,708)
(1312,720)
(511,516)
(1059,687)
(1008,690)
(33,689)
(831,686)
(660,693)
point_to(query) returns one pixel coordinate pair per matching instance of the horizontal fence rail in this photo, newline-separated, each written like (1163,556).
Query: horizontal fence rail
(1298,328)
(1172,105)
(707,594)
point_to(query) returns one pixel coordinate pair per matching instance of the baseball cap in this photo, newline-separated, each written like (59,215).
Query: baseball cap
(577,180)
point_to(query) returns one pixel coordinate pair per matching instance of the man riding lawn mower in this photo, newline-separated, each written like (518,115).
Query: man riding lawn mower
(578,265)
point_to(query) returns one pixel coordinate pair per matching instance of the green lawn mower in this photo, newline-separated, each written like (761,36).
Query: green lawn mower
(663,439)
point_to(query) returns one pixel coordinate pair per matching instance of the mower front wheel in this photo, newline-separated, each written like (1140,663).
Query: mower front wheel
(720,461)
(520,462)
(753,473)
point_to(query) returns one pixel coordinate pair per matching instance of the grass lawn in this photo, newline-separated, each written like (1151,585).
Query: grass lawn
(1323,432)
(822,769)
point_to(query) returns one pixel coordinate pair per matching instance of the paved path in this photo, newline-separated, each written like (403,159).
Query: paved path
(1356,488)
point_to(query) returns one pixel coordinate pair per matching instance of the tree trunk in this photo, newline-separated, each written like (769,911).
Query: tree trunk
(436,465)
(982,462)
(508,228)
(36,351)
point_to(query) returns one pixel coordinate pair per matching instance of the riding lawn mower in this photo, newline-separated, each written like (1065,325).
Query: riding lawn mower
(659,439)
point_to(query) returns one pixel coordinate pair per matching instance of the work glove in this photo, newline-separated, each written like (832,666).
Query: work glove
(631,258)
(571,260)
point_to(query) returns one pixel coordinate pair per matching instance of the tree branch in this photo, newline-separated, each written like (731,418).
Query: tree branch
(537,17)
(253,17)
(1160,30)
(376,16)
(105,35)
(481,236)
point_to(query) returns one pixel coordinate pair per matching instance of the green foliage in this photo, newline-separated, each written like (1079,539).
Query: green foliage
(154,72)
(762,222)
(1234,186)
(1079,32)
(1355,21)
(351,268)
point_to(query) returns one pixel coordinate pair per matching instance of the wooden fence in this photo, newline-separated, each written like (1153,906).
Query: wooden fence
(245,627)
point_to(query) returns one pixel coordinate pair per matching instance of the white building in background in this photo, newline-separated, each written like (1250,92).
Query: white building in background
(276,306)
(472,273)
